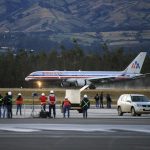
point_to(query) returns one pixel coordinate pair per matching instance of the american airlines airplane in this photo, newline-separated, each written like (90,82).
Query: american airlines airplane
(82,78)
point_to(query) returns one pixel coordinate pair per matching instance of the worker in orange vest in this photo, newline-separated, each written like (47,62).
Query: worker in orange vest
(43,100)
(52,104)
(19,102)
(66,107)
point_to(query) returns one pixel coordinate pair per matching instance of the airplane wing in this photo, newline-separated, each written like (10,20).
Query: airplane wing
(106,79)
(102,79)
(141,76)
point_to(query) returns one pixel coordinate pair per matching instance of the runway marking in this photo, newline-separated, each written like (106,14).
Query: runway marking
(73,127)
(18,130)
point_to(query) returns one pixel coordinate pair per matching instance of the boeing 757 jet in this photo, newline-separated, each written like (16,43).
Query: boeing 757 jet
(82,78)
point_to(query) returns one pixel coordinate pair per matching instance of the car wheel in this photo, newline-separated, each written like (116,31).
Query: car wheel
(139,114)
(120,113)
(133,113)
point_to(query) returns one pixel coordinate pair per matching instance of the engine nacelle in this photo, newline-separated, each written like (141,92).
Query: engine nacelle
(82,82)
(76,82)
(65,84)
(68,82)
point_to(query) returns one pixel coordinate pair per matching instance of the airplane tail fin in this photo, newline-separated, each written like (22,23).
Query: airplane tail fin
(136,65)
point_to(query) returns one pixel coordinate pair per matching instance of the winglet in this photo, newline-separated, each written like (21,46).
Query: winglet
(136,65)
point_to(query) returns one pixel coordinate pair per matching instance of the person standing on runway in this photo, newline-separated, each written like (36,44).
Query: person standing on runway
(52,104)
(96,100)
(43,100)
(66,107)
(1,105)
(101,100)
(19,102)
(85,105)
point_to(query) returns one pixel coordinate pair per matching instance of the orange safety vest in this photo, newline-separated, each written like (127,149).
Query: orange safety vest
(43,99)
(66,102)
(19,100)
(52,100)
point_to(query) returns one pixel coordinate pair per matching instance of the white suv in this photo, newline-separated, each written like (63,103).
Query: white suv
(136,104)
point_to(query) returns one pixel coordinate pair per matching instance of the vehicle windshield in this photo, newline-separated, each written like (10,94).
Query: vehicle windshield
(139,99)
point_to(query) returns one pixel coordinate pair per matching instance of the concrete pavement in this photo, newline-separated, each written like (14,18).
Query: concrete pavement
(29,112)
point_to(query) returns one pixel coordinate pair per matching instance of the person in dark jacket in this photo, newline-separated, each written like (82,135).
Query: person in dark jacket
(96,100)
(1,105)
(108,98)
(5,99)
(9,105)
(85,105)
(101,100)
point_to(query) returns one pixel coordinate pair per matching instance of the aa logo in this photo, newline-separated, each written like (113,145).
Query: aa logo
(135,65)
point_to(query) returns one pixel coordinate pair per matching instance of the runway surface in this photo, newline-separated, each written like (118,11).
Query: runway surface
(104,129)
(27,112)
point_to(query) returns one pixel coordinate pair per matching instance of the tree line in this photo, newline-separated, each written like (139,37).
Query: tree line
(15,67)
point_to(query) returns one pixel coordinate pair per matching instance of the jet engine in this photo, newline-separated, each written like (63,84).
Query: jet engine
(76,82)
(65,84)
(82,82)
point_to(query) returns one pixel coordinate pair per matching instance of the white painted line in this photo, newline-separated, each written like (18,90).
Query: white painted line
(19,130)
(73,127)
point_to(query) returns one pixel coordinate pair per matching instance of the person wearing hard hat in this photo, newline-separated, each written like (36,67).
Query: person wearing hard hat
(66,107)
(43,100)
(52,103)
(1,105)
(5,106)
(19,102)
(9,105)
(85,105)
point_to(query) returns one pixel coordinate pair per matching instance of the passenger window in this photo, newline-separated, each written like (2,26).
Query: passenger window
(124,98)
(128,98)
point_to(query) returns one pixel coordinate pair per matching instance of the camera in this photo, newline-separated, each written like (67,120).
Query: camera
(34,94)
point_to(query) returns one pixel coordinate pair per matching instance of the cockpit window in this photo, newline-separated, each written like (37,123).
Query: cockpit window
(139,99)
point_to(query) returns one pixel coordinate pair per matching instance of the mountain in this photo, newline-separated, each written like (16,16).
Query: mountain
(86,20)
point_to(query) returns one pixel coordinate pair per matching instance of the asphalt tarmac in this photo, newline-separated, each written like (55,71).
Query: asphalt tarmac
(108,132)
(75,140)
